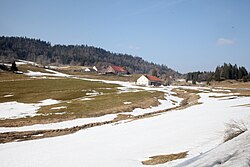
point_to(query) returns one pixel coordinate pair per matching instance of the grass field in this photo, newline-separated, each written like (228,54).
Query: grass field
(32,91)
(78,98)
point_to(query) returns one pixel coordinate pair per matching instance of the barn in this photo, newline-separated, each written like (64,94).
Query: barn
(116,70)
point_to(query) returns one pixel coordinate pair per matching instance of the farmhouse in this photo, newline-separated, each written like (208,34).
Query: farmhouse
(148,80)
(116,70)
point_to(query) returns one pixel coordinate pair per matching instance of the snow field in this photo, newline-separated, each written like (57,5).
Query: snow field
(196,129)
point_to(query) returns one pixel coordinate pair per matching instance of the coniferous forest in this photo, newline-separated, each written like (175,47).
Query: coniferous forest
(43,52)
(224,72)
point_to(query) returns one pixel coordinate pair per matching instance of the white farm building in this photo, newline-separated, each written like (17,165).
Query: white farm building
(148,80)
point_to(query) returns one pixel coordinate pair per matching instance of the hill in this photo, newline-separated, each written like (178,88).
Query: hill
(43,52)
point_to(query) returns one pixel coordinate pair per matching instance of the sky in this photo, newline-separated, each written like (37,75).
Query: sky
(185,35)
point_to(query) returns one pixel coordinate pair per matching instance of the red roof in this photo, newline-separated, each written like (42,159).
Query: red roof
(152,78)
(118,69)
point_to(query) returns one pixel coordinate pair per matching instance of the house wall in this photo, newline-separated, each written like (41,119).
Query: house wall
(143,81)
(95,68)
(110,70)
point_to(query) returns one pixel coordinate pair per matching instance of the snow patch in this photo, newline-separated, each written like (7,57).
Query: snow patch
(8,95)
(53,73)
(39,135)
(87,99)
(127,102)
(13,110)
(93,93)
(58,108)
(47,102)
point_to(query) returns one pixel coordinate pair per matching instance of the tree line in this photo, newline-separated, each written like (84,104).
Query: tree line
(44,53)
(224,72)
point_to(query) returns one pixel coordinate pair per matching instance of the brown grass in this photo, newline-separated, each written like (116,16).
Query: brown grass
(243,88)
(161,159)
(32,91)
(231,84)
(10,76)
(190,97)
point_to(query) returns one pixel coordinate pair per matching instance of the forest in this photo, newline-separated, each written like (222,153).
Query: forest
(42,52)
(224,72)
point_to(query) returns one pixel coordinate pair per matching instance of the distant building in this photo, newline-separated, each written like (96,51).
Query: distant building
(116,70)
(148,80)
(94,68)
(90,70)
(86,69)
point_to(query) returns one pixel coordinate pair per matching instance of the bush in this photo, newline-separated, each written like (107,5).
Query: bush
(4,67)
(13,67)
(234,129)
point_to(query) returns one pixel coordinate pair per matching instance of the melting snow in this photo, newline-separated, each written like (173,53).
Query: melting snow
(234,153)
(53,73)
(127,102)
(8,95)
(58,108)
(87,99)
(93,93)
(13,110)
(196,129)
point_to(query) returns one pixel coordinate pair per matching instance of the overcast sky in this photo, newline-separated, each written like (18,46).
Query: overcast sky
(186,35)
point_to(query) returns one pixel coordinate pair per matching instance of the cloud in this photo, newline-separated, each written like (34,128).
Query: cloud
(131,47)
(225,41)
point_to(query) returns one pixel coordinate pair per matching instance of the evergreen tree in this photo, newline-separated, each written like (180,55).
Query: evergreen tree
(235,72)
(217,74)
(241,73)
(225,72)
(230,71)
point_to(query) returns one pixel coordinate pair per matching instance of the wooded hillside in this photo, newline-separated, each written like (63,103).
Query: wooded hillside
(44,53)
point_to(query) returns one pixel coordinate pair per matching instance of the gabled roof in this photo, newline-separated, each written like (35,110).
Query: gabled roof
(118,68)
(152,78)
